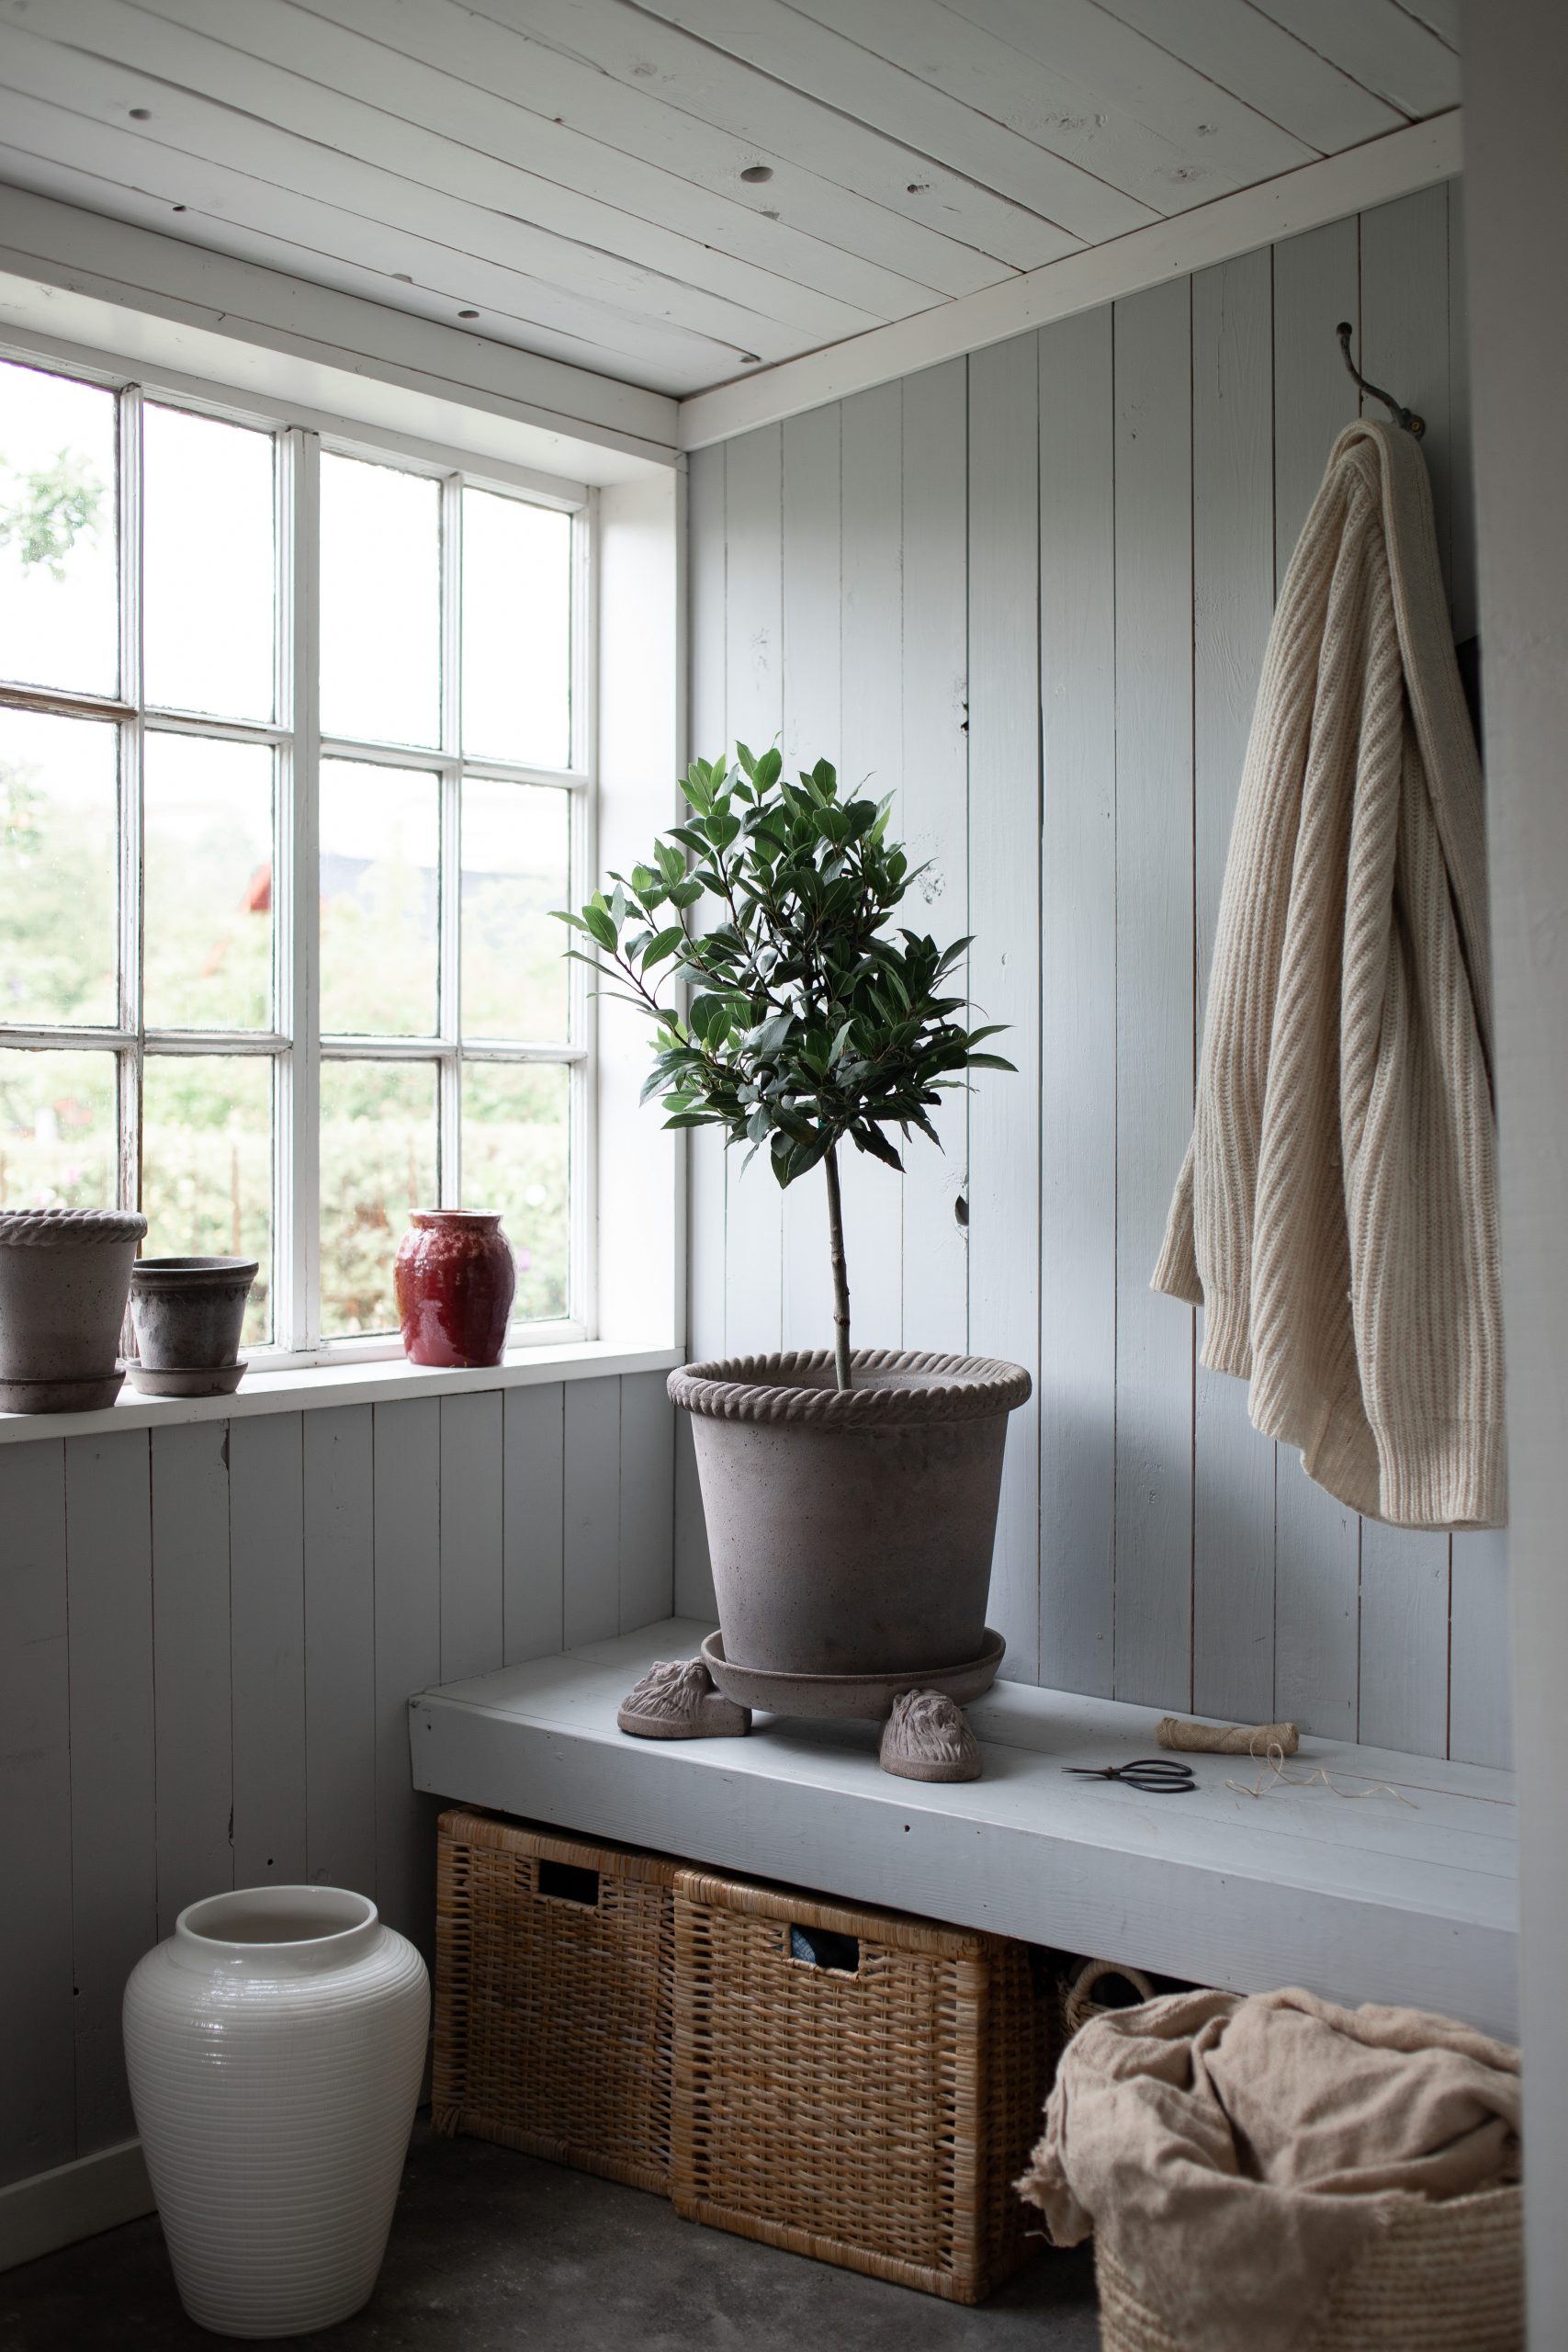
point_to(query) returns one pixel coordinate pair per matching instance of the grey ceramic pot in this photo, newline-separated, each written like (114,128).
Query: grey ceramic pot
(188,1312)
(851,1533)
(63,1283)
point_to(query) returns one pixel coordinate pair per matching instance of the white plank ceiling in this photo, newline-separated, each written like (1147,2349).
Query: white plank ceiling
(677,192)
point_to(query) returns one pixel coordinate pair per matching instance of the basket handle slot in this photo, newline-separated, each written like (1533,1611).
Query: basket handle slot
(822,1947)
(569,1883)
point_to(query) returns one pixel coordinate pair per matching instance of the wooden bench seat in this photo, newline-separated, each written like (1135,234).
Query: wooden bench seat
(1400,1897)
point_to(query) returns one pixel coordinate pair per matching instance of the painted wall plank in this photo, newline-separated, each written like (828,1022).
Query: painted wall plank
(591,1511)
(1281,76)
(531,1524)
(754,696)
(1382,44)
(472,1610)
(933,809)
(37,2114)
(340,1648)
(1154,1001)
(191,1664)
(266,1577)
(1405,1640)
(113,1788)
(1078,1000)
(1405,330)
(1233,603)
(871,764)
(406,1498)
(1004,967)
(1480,1652)
(813,731)
(647,1487)
(694,1571)
(1317,1543)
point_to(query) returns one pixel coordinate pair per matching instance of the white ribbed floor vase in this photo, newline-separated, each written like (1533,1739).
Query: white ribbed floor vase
(275,2044)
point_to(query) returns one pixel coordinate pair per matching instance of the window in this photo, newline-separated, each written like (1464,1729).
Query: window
(292,769)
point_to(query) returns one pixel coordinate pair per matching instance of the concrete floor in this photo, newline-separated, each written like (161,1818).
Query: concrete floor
(492,2251)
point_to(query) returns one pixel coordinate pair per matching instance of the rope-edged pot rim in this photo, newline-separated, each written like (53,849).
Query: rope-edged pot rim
(789,1389)
(68,1229)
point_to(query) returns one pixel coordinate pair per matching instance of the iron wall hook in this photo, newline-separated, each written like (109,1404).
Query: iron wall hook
(1415,426)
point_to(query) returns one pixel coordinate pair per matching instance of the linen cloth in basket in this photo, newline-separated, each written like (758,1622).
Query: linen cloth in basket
(1235,2155)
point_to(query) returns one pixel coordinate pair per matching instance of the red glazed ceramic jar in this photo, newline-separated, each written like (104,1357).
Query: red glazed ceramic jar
(456,1283)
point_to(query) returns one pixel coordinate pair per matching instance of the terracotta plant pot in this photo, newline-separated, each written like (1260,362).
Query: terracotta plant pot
(851,1533)
(187,1314)
(63,1277)
(455,1282)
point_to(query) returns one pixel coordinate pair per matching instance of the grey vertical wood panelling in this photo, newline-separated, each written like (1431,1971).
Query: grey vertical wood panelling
(591,1510)
(266,1583)
(532,1587)
(114,1866)
(1233,602)
(38,2117)
(340,1646)
(1158,1546)
(932,801)
(1004,964)
(1154,986)
(1078,1033)
(191,1675)
(406,1537)
(645,1485)
(472,1640)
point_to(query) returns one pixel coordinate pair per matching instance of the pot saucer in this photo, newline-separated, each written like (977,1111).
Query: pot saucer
(195,1380)
(849,1694)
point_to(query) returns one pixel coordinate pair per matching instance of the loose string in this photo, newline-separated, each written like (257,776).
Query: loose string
(1274,1776)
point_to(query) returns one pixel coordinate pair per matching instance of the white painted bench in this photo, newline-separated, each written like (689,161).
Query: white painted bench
(1407,1898)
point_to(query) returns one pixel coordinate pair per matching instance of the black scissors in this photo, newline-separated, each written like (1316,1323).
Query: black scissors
(1157,1776)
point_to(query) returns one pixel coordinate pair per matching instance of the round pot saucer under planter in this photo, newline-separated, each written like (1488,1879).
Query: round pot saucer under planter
(849,1694)
(189,1380)
(58,1396)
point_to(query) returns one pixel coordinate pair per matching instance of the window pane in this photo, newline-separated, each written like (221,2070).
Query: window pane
(381,855)
(378,1160)
(209,566)
(514,1159)
(59,625)
(57,1131)
(208,952)
(515,844)
(380,602)
(59,859)
(207,1166)
(516,631)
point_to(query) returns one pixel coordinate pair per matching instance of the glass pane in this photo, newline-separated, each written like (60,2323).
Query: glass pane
(380,602)
(516,631)
(380,857)
(515,844)
(59,625)
(57,1131)
(514,1159)
(207,1166)
(207,953)
(59,859)
(378,1160)
(208,565)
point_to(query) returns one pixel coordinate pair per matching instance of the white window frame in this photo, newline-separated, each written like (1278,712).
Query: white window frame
(296,1046)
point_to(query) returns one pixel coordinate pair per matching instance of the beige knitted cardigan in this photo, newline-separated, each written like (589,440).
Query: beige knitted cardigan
(1336,1215)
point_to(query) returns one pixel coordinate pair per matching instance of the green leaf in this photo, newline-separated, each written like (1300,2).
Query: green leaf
(596,921)
(991,1061)
(769,1035)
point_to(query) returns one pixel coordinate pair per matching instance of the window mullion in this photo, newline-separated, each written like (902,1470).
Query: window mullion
(296,1323)
(451,883)
(128,1090)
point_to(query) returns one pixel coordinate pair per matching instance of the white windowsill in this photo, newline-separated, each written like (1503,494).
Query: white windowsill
(380,1383)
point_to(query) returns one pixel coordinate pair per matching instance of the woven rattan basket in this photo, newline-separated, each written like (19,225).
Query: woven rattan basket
(873,2114)
(1439,2278)
(554,1963)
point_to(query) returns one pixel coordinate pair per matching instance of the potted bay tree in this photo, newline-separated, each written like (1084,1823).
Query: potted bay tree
(850,1494)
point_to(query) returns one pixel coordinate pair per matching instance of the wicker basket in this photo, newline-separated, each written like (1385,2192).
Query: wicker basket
(553,1997)
(1080,1986)
(874,2113)
(1439,2278)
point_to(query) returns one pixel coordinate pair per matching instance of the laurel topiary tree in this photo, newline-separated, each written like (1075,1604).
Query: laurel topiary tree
(808,1022)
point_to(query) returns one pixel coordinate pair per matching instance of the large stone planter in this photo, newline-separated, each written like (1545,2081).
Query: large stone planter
(851,1535)
(63,1278)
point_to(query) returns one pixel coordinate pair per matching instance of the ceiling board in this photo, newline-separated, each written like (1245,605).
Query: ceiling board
(568,177)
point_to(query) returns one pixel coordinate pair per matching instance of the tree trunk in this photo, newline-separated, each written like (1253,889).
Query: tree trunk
(841,1275)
